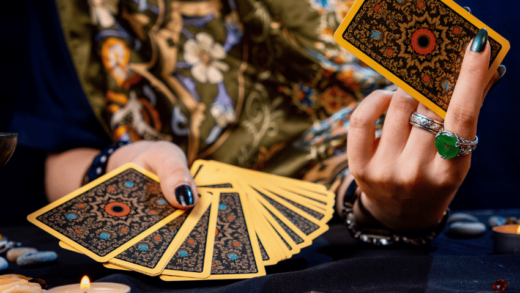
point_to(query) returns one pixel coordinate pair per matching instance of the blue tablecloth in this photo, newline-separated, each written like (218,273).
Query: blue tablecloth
(334,263)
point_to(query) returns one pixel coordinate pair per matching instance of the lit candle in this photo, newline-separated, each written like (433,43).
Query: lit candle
(86,287)
(507,239)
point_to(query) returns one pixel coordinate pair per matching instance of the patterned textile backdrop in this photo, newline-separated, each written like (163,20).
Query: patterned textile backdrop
(238,82)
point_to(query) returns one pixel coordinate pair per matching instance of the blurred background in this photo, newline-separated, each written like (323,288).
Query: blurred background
(35,62)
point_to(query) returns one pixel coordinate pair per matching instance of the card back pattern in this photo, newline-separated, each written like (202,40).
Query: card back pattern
(233,251)
(190,255)
(110,214)
(421,42)
(149,251)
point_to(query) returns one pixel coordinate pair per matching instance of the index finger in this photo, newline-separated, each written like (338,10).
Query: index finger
(468,96)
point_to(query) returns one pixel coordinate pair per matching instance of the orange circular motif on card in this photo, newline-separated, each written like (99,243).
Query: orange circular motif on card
(420,4)
(230,218)
(191,241)
(390,52)
(124,230)
(216,232)
(423,41)
(426,78)
(81,205)
(78,231)
(456,30)
(111,189)
(117,209)
(153,212)
(236,243)
(378,6)
(157,237)
(214,265)
(153,188)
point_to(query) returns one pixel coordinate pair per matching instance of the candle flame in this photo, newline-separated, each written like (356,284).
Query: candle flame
(85,282)
(518,230)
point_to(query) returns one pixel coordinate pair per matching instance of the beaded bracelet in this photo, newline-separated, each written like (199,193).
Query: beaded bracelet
(382,235)
(99,164)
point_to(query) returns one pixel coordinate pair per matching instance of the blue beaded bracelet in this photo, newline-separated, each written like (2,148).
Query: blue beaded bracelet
(99,164)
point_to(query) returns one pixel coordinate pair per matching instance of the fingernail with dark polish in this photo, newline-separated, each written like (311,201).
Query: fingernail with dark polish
(467,9)
(184,195)
(502,71)
(480,41)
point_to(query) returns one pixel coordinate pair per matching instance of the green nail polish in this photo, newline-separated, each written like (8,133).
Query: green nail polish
(480,41)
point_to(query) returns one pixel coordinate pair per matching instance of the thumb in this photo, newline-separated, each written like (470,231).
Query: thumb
(177,184)
(169,163)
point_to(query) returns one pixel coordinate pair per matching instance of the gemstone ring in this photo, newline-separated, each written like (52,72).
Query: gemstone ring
(423,122)
(449,145)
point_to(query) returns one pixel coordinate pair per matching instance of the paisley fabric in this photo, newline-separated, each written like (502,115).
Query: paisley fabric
(241,82)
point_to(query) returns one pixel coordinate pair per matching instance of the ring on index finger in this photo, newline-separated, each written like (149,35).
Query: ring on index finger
(428,124)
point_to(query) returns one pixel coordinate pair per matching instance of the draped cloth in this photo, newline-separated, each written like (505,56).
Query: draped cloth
(259,84)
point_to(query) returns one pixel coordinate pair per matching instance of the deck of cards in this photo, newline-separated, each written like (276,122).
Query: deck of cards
(244,221)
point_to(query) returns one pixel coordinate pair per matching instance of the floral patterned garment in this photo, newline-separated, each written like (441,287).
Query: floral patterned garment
(250,83)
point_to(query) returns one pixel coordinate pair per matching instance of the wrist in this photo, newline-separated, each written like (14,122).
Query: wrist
(399,215)
(99,164)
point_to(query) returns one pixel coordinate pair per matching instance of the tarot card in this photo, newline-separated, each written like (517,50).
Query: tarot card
(309,226)
(68,247)
(115,267)
(109,215)
(274,250)
(151,255)
(419,45)
(193,257)
(301,205)
(285,236)
(236,254)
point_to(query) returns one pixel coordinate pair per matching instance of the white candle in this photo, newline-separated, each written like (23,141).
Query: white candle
(87,287)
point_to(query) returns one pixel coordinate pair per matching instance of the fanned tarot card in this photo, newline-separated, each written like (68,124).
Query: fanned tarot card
(417,44)
(110,214)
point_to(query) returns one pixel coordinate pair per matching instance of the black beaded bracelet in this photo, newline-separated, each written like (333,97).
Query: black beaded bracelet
(382,236)
(99,164)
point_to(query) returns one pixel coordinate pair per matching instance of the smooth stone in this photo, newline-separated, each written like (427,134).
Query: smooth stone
(462,217)
(466,229)
(494,221)
(3,263)
(36,258)
(14,253)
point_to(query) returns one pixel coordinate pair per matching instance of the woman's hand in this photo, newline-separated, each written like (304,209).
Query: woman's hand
(167,161)
(405,183)
(64,171)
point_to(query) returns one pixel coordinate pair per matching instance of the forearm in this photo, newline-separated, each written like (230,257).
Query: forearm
(64,171)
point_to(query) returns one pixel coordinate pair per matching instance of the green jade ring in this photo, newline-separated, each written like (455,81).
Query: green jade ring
(449,145)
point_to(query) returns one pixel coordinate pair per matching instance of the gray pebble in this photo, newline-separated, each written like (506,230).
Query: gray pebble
(3,263)
(496,221)
(14,253)
(462,217)
(466,229)
(36,258)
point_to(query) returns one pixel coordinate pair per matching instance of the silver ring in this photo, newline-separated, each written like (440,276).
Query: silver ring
(449,145)
(428,124)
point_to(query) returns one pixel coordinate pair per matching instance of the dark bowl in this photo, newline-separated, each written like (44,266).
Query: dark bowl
(7,145)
